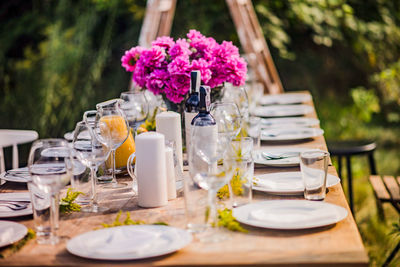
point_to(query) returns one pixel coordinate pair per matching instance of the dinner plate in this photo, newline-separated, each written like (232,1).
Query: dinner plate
(289,214)
(290,122)
(20,196)
(20,175)
(291,134)
(286,183)
(129,242)
(11,232)
(282,110)
(290,98)
(289,161)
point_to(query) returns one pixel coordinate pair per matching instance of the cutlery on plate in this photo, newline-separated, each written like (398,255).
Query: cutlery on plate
(283,133)
(15,206)
(271,156)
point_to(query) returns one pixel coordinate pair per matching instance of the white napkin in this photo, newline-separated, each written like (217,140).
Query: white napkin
(283,183)
(286,216)
(122,241)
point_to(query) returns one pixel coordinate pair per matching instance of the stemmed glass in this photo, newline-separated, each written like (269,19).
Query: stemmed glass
(91,153)
(237,95)
(211,172)
(50,166)
(227,117)
(112,130)
(135,107)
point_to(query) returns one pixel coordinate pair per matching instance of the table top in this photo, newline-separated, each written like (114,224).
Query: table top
(335,245)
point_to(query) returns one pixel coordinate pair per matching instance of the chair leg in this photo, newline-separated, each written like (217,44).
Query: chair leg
(339,158)
(350,183)
(391,256)
(372,166)
(380,211)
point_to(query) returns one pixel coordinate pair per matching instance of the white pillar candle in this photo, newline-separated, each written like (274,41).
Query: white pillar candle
(151,170)
(171,183)
(169,124)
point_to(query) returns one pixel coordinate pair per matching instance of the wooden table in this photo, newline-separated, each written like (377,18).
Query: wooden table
(336,245)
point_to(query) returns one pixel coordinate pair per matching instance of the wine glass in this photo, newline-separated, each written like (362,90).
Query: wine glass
(91,153)
(227,117)
(209,169)
(135,107)
(237,95)
(112,130)
(50,166)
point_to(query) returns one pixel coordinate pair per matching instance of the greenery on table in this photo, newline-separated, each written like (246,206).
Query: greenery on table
(127,221)
(67,204)
(236,182)
(11,249)
(226,220)
(60,58)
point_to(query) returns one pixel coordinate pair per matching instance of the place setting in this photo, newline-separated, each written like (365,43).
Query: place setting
(290,134)
(15,204)
(282,110)
(285,99)
(288,122)
(279,156)
(20,175)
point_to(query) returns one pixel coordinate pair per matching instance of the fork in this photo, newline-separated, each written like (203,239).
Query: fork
(280,156)
(15,206)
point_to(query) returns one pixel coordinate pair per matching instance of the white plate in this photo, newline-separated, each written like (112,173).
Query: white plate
(13,176)
(282,110)
(290,98)
(286,183)
(8,213)
(290,122)
(290,134)
(289,214)
(129,242)
(286,162)
(11,232)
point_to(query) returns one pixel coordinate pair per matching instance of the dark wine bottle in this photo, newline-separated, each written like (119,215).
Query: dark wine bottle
(204,108)
(192,104)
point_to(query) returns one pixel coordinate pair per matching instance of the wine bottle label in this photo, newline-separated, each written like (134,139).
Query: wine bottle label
(208,98)
(188,120)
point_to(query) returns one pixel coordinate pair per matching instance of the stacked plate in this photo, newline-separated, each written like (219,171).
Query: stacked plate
(129,242)
(290,134)
(15,205)
(279,157)
(11,232)
(282,110)
(20,175)
(282,99)
(285,183)
(289,214)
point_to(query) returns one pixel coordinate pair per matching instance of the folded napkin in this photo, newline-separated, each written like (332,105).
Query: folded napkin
(123,240)
(286,216)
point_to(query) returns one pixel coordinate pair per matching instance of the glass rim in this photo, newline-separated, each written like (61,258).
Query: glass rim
(317,152)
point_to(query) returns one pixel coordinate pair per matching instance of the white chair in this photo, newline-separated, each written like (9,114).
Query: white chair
(14,138)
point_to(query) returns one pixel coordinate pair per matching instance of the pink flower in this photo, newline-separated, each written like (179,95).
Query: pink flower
(181,48)
(130,58)
(204,67)
(179,65)
(165,42)
(153,57)
(157,80)
(178,87)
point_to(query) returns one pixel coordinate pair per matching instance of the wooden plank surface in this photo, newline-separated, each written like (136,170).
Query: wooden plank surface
(393,187)
(335,245)
(379,188)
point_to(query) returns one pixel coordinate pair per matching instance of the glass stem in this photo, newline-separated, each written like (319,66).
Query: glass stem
(54,214)
(114,179)
(94,181)
(212,204)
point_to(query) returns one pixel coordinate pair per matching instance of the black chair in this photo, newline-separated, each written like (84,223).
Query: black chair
(347,149)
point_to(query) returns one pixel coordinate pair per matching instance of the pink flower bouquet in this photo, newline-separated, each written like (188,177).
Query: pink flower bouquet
(165,67)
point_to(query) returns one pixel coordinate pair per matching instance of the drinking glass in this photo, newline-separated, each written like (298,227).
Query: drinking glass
(112,130)
(209,170)
(135,107)
(50,167)
(91,153)
(314,170)
(237,95)
(227,117)
(241,182)
(103,175)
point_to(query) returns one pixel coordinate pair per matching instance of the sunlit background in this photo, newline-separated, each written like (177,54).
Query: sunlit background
(60,58)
